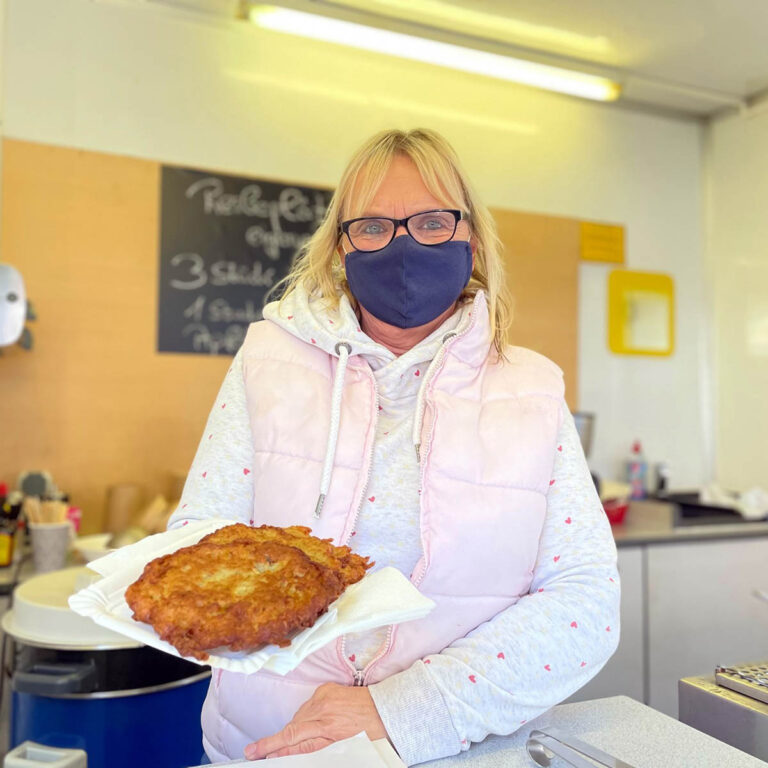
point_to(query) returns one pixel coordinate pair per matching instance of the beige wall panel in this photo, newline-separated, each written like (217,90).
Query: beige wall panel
(541,255)
(93,402)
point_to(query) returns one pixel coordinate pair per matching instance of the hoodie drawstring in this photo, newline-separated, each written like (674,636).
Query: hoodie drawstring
(418,419)
(343,350)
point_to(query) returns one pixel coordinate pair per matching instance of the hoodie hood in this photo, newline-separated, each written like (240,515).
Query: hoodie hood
(337,332)
(312,321)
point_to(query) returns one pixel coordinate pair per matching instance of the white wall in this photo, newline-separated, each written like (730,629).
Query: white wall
(737,258)
(121,78)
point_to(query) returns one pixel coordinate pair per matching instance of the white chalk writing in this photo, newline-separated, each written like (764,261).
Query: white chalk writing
(221,311)
(195,310)
(222,272)
(196,270)
(273,241)
(292,204)
(229,340)
(232,273)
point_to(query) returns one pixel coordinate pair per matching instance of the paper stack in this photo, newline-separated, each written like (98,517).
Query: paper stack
(351,753)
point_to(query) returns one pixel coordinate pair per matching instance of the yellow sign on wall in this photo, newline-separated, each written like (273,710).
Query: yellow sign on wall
(641,313)
(602,242)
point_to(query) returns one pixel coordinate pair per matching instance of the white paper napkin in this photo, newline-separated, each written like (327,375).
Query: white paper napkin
(751,505)
(380,598)
(354,752)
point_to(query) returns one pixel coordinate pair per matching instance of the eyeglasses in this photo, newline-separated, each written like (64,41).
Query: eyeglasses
(372,233)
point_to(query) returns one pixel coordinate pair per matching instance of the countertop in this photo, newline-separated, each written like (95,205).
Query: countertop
(620,726)
(653,522)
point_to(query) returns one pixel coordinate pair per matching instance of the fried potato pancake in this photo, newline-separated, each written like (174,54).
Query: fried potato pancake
(241,590)
(351,566)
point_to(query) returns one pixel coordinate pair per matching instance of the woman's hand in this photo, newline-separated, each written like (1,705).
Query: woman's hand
(334,712)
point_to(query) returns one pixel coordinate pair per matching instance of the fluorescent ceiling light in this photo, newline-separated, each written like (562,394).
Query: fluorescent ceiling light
(434,52)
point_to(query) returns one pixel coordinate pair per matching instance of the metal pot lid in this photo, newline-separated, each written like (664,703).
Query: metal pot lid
(42,617)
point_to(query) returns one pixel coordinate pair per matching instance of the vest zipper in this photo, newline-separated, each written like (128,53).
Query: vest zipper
(358,674)
(431,372)
(424,455)
(380,655)
(370,455)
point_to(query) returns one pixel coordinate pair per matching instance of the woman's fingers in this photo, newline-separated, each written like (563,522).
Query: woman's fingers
(309,709)
(291,736)
(332,713)
(310,745)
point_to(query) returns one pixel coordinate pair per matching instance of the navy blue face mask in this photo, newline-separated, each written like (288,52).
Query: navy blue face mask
(408,284)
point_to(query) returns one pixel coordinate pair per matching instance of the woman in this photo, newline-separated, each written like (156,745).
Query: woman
(378,404)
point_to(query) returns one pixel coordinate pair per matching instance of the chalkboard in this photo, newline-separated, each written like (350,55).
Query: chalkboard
(224,243)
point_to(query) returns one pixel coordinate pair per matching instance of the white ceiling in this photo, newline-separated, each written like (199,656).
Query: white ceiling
(691,56)
(713,44)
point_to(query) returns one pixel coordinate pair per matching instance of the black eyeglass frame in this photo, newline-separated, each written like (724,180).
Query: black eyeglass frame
(457,217)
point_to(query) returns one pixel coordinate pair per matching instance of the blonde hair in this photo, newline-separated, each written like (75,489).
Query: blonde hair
(318,268)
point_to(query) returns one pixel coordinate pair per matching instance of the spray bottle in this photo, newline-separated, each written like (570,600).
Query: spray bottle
(637,468)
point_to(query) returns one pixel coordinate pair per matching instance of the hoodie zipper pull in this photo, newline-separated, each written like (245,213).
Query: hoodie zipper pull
(358,678)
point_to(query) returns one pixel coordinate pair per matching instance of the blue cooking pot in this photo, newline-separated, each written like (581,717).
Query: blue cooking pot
(126,707)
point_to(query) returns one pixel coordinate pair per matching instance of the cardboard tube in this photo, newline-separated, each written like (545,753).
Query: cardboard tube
(124,500)
(153,518)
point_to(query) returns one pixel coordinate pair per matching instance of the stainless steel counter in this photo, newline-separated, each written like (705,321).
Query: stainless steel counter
(653,522)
